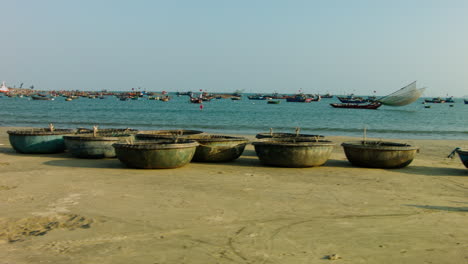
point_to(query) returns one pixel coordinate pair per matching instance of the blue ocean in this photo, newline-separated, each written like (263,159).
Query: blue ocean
(413,121)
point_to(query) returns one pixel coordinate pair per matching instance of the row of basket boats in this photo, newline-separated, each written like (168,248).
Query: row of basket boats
(159,149)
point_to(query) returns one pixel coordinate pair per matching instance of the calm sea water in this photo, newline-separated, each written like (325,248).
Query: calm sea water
(242,117)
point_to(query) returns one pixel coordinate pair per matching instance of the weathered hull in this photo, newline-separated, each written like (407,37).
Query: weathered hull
(155,155)
(38,142)
(90,147)
(375,154)
(288,153)
(215,148)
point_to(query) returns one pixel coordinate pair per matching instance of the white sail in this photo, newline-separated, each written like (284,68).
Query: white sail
(404,96)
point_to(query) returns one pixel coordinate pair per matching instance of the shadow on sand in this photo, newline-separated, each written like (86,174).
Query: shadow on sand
(87,163)
(434,171)
(440,208)
(12,152)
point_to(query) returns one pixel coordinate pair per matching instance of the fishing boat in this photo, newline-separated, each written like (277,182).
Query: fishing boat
(327,95)
(351,99)
(358,106)
(4,88)
(302,98)
(257,97)
(379,154)
(273,102)
(41,97)
(196,100)
(466,101)
(293,152)
(435,100)
(449,100)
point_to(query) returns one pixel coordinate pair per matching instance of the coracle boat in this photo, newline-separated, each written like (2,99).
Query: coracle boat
(156,155)
(379,154)
(463,154)
(43,98)
(96,145)
(358,106)
(218,148)
(294,153)
(166,134)
(39,140)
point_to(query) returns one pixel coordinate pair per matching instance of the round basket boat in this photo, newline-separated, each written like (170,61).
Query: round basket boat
(379,154)
(90,146)
(38,140)
(294,153)
(166,134)
(218,148)
(156,155)
(288,135)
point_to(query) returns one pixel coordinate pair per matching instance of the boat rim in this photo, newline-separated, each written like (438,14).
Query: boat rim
(40,132)
(379,145)
(291,142)
(156,145)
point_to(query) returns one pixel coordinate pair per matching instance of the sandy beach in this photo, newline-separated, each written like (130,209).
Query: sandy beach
(58,209)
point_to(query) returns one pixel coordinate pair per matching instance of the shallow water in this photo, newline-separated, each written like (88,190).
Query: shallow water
(242,117)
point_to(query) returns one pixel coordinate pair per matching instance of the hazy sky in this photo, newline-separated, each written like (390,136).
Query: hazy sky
(337,46)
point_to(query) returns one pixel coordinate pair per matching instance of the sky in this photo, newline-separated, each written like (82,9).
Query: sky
(265,46)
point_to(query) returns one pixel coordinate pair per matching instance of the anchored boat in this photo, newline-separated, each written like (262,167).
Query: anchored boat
(358,106)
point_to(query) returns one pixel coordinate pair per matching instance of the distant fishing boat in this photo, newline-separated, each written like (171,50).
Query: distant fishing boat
(273,102)
(258,97)
(196,100)
(358,106)
(435,100)
(449,100)
(302,98)
(4,88)
(327,95)
(44,98)
(466,101)
(351,99)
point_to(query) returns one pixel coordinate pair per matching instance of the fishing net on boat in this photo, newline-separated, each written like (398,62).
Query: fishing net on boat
(404,96)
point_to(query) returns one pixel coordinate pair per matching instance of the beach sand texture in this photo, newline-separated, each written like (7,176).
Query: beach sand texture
(58,209)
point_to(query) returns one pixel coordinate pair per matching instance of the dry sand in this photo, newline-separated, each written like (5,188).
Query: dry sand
(57,209)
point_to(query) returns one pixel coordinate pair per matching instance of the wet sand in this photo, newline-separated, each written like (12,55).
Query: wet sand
(57,209)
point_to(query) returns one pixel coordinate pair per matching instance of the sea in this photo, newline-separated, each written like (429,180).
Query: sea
(249,117)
